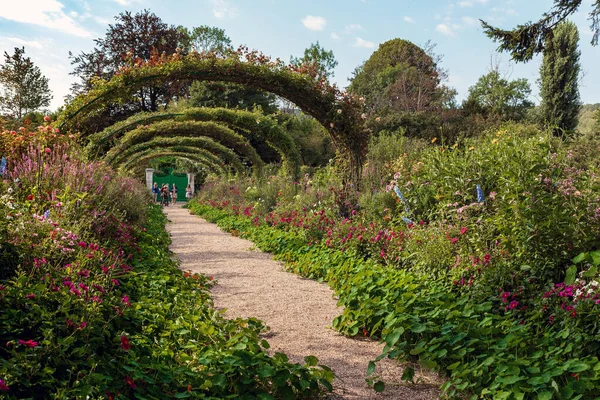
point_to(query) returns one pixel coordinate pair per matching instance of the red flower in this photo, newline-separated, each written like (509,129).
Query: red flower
(28,343)
(453,240)
(125,343)
(463,230)
(47,118)
(30,197)
(125,300)
(3,385)
(30,296)
(130,382)
(48,151)
(210,278)
(486,258)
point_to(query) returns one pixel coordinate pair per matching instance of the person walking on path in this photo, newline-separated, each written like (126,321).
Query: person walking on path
(155,191)
(164,194)
(174,194)
(188,192)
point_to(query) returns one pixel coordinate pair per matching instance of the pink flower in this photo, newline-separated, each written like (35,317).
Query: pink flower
(505,296)
(125,300)
(48,151)
(463,230)
(30,296)
(3,386)
(130,382)
(47,118)
(486,258)
(28,343)
(125,343)
(513,304)
(453,240)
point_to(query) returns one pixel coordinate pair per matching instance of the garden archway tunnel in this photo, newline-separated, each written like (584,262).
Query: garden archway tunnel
(225,156)
(196,158)
(338,112)
(144,137)
(245,123)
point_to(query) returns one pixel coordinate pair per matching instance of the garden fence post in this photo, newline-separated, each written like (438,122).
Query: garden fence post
(149,178)
(190,177)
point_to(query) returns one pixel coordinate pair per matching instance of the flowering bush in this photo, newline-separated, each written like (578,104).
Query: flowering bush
(472,269)
(95,307)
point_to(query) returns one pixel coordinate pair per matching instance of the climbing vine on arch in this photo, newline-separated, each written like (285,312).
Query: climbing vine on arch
(338,112)
(180,132)
(201,144)
(190,154)
(243,122)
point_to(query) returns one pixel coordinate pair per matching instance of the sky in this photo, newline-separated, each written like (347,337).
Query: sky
(352,29)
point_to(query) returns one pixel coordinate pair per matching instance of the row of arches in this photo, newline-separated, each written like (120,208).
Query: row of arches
(222,133)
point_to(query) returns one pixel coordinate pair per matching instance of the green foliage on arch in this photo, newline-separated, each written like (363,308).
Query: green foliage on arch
(339,112)
(225,155)
(242,121)
(181,131)
(193,155)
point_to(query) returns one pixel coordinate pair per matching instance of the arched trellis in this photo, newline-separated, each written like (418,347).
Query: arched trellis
(182,131)
(339,113)
(197,152)
(241,121)
(225,155)
(193,156)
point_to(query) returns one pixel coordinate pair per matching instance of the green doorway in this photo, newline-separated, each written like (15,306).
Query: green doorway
(171,178)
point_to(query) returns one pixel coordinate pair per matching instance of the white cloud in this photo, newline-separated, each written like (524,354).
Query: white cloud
(409,19)
(469,21)
(46,13)
(444,29)
(465,3)
(222,9)
(364,43)
(314,23)
(507,11)
(127,2)
(22,42)
(353,27)
(335,36)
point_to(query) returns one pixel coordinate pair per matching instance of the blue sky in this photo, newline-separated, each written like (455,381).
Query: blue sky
(353,29)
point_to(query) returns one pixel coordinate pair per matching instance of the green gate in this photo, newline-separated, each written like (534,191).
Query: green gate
(178,179)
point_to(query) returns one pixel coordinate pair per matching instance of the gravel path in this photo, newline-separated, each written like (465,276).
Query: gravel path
(298,311)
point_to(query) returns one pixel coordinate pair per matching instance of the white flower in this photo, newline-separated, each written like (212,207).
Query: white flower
(339,111)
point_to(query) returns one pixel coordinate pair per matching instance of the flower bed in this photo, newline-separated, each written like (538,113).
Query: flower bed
(95,307)
(481,267)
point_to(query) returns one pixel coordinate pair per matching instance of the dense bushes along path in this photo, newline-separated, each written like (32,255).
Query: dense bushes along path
(297,310)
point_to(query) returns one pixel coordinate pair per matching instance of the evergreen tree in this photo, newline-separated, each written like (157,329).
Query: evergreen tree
(526,40)
(559,76)
(24,88)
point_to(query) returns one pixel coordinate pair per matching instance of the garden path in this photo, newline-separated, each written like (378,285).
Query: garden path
(297,310)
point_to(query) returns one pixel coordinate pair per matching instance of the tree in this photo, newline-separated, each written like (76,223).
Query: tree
(499,97)
(316,56)
(206,39)
(526,40)
(219,94)
(400,76)
(559,76)
(131,39)
(24,88)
